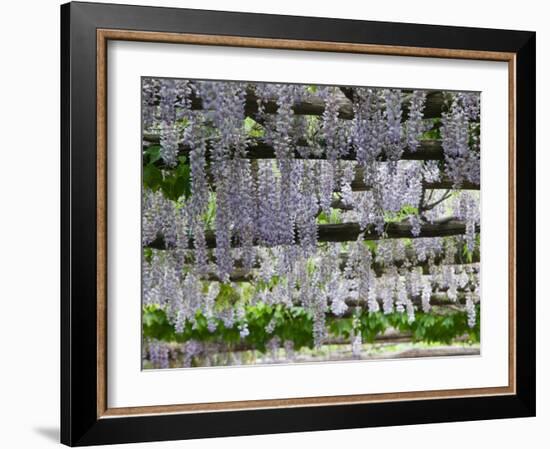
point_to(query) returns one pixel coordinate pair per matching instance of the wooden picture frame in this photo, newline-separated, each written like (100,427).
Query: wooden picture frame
(85,417)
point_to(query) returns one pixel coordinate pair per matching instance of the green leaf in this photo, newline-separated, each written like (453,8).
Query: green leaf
(177,183)
(253,128)
(296,324)
(148,254)
(152,177)
(467,254)
(152,154)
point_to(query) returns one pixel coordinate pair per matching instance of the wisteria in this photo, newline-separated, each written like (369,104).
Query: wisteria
(415,126)
(290,219)
(459,139)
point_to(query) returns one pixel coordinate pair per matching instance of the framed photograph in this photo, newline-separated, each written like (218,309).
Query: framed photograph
(281,224)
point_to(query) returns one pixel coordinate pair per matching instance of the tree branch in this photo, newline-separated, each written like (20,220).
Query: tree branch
(428,207)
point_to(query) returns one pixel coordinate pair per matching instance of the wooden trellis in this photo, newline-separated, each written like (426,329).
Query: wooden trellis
(428,150)
(344,232)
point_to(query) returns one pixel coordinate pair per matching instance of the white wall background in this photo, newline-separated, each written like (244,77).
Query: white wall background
(29,223)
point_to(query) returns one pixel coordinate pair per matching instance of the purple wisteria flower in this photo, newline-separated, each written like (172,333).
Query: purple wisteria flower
(301,203)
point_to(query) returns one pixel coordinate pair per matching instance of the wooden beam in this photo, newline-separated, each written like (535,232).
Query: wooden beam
(240,274)
(428,150)
(314,105)
(443,184)
(346,232)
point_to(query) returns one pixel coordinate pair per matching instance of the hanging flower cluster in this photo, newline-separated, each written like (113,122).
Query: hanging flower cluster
(398,277)
(271,173)
(460,140)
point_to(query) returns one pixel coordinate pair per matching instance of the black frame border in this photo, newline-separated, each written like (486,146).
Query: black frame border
(79,422)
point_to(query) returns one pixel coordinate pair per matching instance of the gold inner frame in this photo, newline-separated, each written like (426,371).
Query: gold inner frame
(104,35)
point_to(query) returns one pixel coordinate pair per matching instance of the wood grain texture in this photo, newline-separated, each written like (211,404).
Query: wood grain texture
(512,268)
(101,187)
(318,401)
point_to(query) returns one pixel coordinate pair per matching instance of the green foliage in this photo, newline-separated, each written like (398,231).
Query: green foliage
(434,132)
(431,327)
(427,327)
(372,245)
(173,183)
(402,214)
(296,324)
(152,177)
(335,217)
(312,128)
(474,132)
(210,214)
(148,254)
(290,324)
(261,285)
(253,128)
(227,297)
(155,325)
(151,154)
(468,255)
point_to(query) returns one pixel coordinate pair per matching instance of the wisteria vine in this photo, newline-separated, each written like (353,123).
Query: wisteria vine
(225,231)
